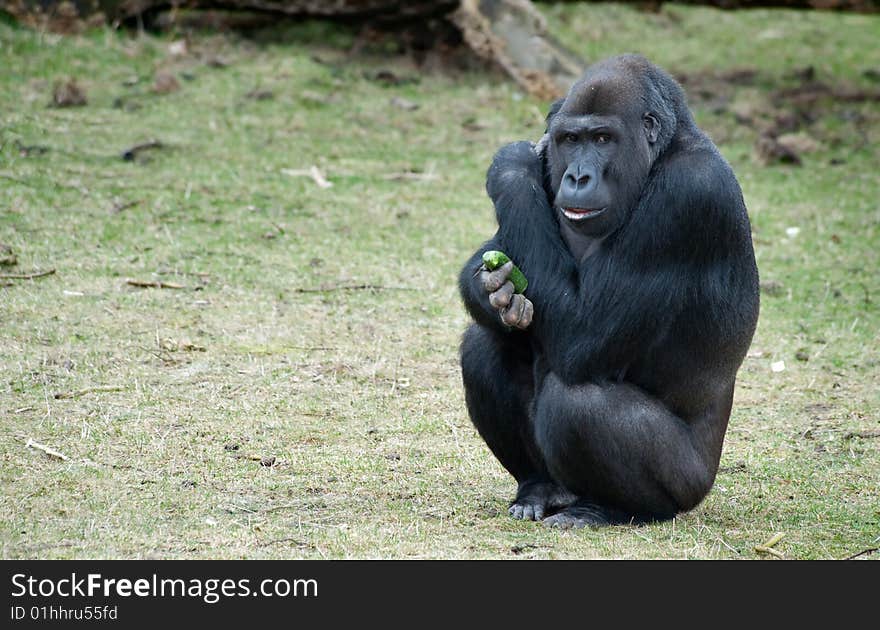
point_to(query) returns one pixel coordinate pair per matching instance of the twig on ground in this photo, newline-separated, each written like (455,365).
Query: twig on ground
(277,541)
(314,172)
(863,552)
(120,206)
(268,461)
(867,435)
(26,276)
(319,178)
(424,177)
(768,550)
(774,539)
(153,284)
(314,348)
(203,277)
(51,452)
(352,287)
(87,390)
(130,153)
(767,547)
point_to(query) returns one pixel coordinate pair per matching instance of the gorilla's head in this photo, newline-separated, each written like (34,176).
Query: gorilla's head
(603,138)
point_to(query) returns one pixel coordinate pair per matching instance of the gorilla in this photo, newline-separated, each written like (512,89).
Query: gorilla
(606,388)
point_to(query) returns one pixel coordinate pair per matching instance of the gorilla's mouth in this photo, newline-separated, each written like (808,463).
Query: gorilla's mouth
(579,214)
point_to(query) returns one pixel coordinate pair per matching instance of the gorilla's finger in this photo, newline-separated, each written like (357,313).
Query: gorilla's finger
(514,312)
(539,513)
(501,297)
(527,314)
(541,145)
(517,511)
(494,280)
(529,513)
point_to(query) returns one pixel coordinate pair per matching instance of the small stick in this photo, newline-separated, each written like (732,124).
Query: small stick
(773,540)
(269,461)
(352,287)
(319,178)
(129,154)
(26,276)
(314,172)
(278,541)
(772,552)
(864,552)
(767,547)
(410,175)
(119,207)
(254,458)
(51,452)
(154,284)
(88,390)
(867,435)
(201,275)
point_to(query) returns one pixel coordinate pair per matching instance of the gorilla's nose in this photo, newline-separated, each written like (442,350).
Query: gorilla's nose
(578,180)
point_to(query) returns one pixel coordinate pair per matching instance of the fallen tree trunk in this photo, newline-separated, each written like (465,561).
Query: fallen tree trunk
(117,10)
(511,34)
(401,10)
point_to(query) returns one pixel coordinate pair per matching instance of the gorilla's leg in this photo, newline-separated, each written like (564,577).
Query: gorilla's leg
(499,389)
(626,456)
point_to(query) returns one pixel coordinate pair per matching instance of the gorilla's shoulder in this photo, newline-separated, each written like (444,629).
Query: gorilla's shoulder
(700,174)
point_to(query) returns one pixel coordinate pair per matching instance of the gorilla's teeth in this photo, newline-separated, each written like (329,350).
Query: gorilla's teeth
(579,214)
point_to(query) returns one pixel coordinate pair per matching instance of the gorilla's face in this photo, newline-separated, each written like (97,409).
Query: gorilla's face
(600,151)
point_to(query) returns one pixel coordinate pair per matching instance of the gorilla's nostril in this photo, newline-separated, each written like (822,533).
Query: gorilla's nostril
(577,181)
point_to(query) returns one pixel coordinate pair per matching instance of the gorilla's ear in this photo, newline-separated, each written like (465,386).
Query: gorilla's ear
(554,109)
(652,128)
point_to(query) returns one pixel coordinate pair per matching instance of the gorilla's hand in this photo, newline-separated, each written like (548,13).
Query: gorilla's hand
(515,309)
(515,168)
(540,147)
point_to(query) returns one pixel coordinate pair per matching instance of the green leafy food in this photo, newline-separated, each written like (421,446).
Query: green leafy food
(494,259)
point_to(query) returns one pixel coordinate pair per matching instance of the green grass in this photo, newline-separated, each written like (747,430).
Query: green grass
(357,393)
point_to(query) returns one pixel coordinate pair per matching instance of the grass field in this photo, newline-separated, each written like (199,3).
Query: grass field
(169,404)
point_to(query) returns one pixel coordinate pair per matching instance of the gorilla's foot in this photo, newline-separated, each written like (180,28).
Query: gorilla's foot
(536,499)
(585,514)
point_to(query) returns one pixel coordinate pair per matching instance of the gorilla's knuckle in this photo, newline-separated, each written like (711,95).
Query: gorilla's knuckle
(491,284)
(500,298)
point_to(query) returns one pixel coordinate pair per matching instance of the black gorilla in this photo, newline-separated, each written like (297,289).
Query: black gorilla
(606,389)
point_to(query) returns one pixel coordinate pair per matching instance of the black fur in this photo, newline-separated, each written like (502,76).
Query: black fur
(620,390)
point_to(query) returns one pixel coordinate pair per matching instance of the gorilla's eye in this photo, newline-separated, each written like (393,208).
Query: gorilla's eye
(603,138)
(571,137)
